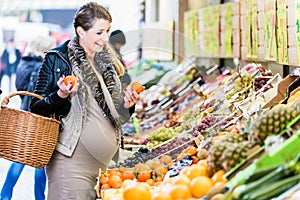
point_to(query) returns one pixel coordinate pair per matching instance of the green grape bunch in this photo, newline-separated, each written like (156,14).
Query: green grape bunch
(241,83)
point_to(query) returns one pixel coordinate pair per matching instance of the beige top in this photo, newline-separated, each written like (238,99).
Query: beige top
(98,135)
(91,128)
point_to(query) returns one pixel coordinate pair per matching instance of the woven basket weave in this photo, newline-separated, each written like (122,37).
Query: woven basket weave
(26,137)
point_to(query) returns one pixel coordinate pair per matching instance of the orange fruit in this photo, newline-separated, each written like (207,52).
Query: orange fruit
(161,169)
(136,191)
(191,150)
(137,87)
(71,79)
(195,171)
(220,184)
(180,191)
(144,176)
(105,186)
(181,180)
(203,162)
(114,172)
(127,175)
(218,176)
(161,196)
(103,174)
(104,179)
(115,181)
(200,185)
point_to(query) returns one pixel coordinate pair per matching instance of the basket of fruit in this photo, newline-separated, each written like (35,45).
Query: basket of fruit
(26,137)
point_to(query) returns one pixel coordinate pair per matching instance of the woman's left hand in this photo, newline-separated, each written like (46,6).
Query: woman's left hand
(131,97)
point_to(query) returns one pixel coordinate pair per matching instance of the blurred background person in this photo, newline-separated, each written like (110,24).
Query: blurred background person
(10,59)
(117,39)
(26,75)
(1,66)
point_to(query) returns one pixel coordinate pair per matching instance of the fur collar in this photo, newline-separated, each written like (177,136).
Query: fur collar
(101,80)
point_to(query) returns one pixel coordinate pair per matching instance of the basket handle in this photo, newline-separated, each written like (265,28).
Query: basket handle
(5,101)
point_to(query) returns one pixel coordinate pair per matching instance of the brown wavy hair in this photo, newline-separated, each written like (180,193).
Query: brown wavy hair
(86,15)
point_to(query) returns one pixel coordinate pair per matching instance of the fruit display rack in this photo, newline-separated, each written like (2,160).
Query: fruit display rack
(163,111)
(236,137)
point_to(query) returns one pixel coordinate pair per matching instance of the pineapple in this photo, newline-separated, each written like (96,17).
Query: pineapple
(271,122)
(214,156)
(233,138)
(235,154)
(214,159)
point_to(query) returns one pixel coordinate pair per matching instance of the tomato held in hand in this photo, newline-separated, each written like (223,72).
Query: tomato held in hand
(70,79)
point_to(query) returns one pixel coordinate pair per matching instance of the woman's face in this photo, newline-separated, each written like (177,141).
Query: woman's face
(94,39)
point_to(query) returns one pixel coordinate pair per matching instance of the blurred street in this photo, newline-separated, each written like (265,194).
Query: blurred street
(24,187)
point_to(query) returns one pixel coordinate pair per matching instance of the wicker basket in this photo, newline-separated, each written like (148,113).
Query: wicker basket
(26,137)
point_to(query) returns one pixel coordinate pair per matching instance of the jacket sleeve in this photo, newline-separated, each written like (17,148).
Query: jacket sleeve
(125,113)
(46,86)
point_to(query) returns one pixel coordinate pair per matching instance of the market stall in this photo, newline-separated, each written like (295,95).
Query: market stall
(218,143)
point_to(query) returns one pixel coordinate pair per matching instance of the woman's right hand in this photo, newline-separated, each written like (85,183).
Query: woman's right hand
(65,90)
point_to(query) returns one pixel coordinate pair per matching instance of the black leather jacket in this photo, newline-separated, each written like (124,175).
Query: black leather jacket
(55,64)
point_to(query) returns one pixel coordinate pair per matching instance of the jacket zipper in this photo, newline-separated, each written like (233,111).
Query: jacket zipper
(70,68)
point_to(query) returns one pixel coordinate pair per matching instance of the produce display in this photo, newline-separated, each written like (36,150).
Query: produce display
(175,146)
(159,116)
(222,142)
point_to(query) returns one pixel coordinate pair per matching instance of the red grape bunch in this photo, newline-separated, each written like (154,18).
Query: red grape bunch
(259,82)
(204,125)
